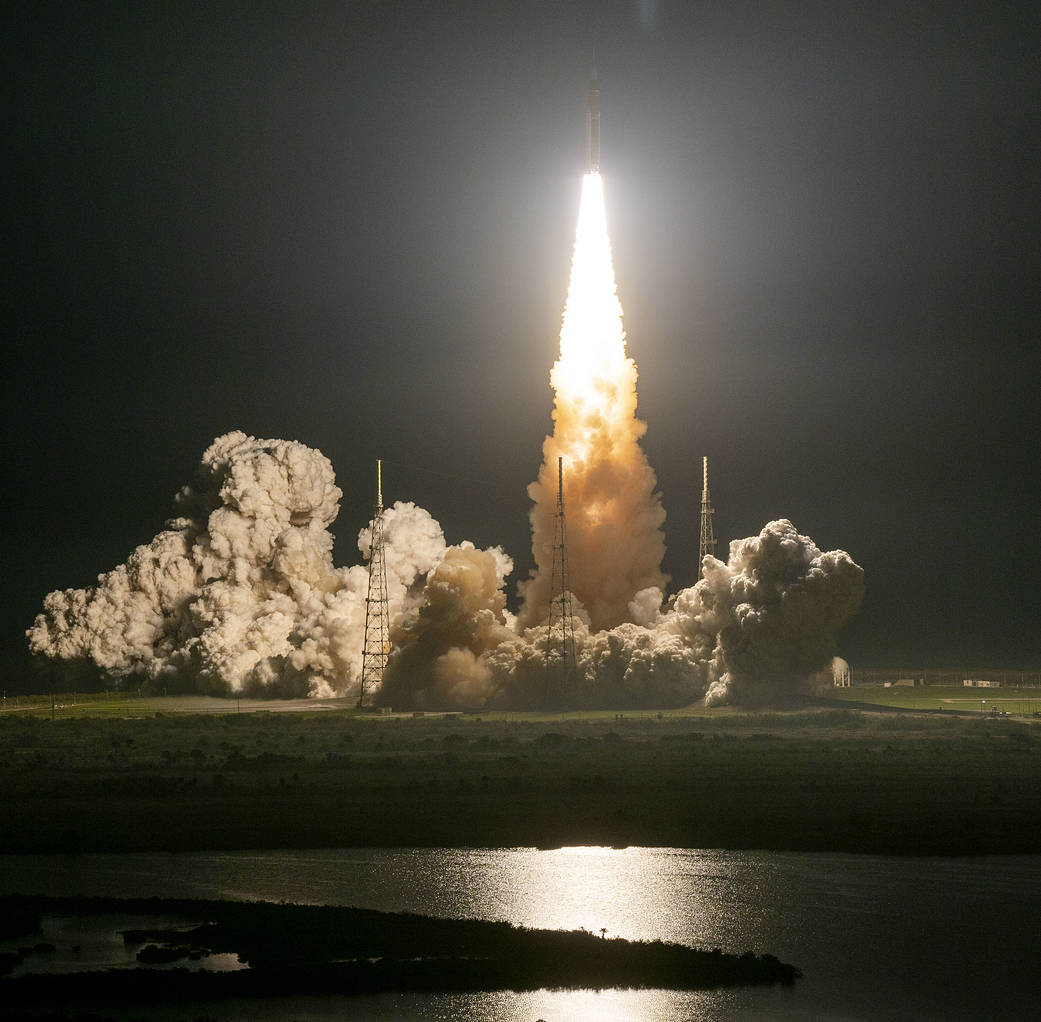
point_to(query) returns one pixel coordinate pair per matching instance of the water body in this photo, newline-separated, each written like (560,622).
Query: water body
(877,938)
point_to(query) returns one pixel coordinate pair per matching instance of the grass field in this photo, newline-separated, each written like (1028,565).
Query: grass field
(122,705)
(1011,700)
(834,777)
(1018,701)
(68,705)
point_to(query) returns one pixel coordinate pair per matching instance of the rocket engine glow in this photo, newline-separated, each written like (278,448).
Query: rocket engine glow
(615,543)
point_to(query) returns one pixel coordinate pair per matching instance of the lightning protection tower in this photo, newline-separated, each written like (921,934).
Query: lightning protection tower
(560,658)
(708,536)
(377,610)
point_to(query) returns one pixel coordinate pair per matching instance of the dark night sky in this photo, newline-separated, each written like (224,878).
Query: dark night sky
(351,225)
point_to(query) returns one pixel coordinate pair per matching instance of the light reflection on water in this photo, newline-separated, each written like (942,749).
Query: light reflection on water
(503,1006)
(590,888)
(877,937)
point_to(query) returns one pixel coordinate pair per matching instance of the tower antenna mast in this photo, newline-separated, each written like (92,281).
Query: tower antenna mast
(561,658)
(377,609)
(708,535)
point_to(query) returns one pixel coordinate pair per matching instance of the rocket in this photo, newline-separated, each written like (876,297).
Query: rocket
(593,122)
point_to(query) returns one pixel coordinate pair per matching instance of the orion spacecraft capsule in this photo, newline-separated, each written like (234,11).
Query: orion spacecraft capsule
(593,122)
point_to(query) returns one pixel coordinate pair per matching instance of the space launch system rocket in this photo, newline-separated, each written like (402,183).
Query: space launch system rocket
(593,122)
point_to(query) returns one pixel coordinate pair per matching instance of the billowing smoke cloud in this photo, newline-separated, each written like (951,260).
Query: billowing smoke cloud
(771,612)
(441,643)
(753,632)
(239,593)
(614,514)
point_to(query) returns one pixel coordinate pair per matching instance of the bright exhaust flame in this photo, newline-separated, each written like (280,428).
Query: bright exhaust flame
(614,515)
(592,368)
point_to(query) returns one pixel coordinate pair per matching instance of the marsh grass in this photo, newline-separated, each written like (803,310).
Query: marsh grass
(1013,700)
(836,778)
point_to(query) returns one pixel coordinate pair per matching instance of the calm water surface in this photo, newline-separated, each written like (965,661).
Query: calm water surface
(877,938)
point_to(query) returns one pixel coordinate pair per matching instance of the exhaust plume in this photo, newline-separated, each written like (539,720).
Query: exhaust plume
(614,514)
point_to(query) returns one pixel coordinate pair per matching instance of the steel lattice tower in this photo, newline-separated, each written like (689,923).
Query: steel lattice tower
(377,610)
(708,536)
(560,658)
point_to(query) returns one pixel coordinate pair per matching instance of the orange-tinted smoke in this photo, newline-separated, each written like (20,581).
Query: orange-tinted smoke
(613,512)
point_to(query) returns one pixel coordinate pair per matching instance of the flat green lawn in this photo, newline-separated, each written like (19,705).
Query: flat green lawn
(1018,701)
(1012,700)
(73,706)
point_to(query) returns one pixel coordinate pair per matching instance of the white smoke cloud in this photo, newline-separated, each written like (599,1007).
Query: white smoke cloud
(239,593)
(752,631)
(440,645)
(632,665)
(771,614)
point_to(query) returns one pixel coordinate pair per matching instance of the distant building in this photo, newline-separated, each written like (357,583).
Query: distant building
(980,683)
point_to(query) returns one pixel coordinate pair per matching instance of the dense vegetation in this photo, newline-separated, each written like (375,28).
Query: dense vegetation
(837,779)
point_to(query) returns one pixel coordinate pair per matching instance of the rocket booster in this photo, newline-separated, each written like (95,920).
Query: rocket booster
(593,122)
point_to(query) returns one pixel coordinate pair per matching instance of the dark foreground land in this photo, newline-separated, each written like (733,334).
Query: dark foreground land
(826,779)
(295,949)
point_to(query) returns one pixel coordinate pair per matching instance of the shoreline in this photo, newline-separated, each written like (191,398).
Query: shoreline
(306,950)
